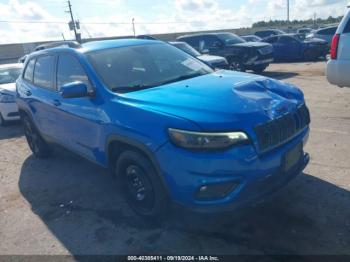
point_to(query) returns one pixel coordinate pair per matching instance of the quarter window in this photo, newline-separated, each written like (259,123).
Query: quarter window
(43,71)
(70,70)
(28,73)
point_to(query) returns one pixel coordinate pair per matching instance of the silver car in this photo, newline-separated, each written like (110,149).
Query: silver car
(338,67)
(8,107)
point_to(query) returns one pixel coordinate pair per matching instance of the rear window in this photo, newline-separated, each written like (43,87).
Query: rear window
(328,31)
(43,72)
(28,73)
(347,27)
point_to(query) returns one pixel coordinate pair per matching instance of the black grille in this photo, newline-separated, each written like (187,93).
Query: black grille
(279,130)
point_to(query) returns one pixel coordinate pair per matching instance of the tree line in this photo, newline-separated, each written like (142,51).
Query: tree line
(311,22)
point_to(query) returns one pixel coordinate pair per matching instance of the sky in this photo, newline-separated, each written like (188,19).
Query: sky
(42,20)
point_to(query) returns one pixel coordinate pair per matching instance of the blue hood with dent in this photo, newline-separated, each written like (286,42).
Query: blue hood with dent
(223,100)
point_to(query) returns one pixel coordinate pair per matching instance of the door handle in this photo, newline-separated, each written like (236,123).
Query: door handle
(56,102)
(27,93)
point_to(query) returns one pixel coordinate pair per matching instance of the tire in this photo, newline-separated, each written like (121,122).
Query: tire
(141,186)
(3,122)
(36,143)
(236,64)
(259,69)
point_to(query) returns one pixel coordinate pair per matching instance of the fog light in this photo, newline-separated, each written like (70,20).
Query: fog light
(215,191)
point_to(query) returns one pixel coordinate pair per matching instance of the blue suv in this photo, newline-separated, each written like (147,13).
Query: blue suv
(169,127)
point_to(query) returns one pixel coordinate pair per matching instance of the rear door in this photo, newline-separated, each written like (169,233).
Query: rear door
(43,95)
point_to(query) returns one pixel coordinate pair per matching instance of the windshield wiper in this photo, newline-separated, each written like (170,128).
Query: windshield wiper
(179,78)
(131,88)
(142,86)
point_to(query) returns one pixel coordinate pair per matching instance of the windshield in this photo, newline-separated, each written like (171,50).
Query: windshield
(230,39)
(131,68)
(9,75)
(187,48)
(299,37)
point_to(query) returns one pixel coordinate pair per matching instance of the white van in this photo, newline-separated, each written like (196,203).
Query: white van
(338,68)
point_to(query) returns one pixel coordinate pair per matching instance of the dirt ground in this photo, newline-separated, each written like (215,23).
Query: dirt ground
(66,205)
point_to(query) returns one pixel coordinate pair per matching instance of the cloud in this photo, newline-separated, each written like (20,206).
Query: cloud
(175,16)
(27,32)
(195,5)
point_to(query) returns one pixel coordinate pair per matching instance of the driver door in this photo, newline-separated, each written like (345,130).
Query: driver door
(290,47)
(79,120)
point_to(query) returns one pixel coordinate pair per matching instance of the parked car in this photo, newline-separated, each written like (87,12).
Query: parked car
(324,33)
(293,47)
(251,38)
(304,31)
(167,125)
(240,55)
(22,59)
(338,67)
(269,32)
(211,60)
(8,107)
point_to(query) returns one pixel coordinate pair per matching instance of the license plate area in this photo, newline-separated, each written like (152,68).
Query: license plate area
(292,157)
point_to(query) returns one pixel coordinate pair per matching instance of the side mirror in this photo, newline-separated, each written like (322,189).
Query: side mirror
(205,51)
(74,90)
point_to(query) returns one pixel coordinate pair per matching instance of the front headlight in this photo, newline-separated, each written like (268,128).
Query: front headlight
(209,141)
(6,98)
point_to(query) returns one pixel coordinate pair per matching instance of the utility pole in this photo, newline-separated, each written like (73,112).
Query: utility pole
(315,16)
(133,26)
(72,23)
(288,11)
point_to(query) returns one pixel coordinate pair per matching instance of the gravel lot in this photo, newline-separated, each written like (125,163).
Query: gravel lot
(66,205)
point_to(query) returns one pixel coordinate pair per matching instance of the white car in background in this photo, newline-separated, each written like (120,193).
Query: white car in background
(8,107)
(338,67)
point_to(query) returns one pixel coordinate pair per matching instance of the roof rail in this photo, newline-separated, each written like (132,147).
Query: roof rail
(70,44)
(146,37)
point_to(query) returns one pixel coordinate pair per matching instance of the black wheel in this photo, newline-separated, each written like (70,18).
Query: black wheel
(36,143)
(259,69)
(141,186)
(2,121)
(236,64)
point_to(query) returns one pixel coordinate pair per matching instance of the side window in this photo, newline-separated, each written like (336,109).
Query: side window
(43,71)
(207,42)
(285,40)
(70,70)
(28,73)
(271,40)
(192,41)
(328,31)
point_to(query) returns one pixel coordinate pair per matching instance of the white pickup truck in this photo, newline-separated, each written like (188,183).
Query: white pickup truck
(338,67)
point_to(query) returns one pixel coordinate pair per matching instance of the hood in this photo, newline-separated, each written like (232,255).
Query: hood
(9,88)
(211,58)
(224,100)
(315,41)
(251,44)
